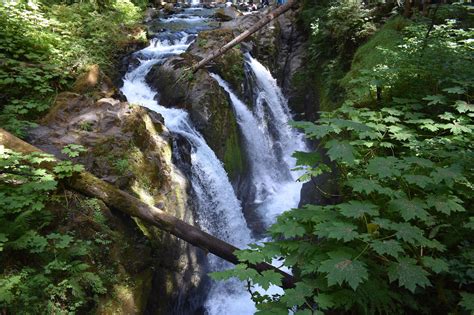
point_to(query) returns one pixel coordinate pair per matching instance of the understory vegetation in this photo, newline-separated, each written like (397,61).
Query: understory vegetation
(45,45)
(399,139)
(53,242)
(46,269)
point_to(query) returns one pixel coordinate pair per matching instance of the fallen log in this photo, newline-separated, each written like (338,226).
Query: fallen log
(264,21)
(91,186)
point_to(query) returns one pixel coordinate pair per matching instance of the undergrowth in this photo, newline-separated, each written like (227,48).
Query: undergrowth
(398,241)
(43,47)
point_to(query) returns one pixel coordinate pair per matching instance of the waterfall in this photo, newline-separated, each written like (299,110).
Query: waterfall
(269,143)
(219,212)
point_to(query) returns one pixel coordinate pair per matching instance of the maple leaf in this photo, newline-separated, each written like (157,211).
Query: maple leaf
(463,107)
(383,167)
(337,230)
(340,268)
(297,296)
(408,274)
(357,209)
(389,247)
(467,301)
(409,209)
(445,204)
(418,180)
(267,278)
(438,265)
(408,233)
(340,150)
(307,158)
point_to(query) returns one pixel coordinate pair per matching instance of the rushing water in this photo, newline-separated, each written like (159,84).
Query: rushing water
(269,143)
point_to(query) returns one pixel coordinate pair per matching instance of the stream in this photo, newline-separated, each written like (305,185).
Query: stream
(269,187)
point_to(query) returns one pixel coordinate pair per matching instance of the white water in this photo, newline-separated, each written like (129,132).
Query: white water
(219,210)
(270,143)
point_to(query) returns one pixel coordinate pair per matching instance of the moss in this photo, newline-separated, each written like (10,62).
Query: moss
(231,67)
(233,157)
(128,298)
(369,54)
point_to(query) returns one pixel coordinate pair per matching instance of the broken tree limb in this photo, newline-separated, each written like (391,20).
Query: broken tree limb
(89,185)
(264,21)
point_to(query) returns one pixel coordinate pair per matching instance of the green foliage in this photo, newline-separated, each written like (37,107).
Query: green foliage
(121,165)
(44,46)
(43,271)
(399,240)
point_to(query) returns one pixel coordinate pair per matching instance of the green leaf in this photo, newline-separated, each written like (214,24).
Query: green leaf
(445,204)
(470,224)
(438,265)
(435,99)
(387,247)
(340,151)
(3,240)
(324,301)
(408,233)
(384,167)
(400,133)
(467,301)
(463,107)
(315,131)
(240,271)
(298,295)
(425,163)
(288,228)
(340,268)
(267,278)
(336,230)
(408,274)
(368,186)
(251,256)
(455,90)
(358,209)
(447,174)
(307,158)
(419,180)
(409,209)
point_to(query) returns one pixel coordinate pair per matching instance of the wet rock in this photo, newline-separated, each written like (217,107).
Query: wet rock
(94,80)
(129,147)
(170,8)
(226,14)
(208,105)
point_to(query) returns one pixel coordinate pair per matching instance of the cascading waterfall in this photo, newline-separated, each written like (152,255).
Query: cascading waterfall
(269,144)
(219,210)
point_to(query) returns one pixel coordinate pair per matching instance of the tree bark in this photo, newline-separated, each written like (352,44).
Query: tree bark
(264,21)
(89,185)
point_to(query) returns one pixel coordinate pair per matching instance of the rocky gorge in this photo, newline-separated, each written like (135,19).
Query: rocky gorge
(131,147)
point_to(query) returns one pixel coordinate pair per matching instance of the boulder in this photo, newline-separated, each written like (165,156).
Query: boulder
(208,105)
(94,80)
(129,147)
(226,14)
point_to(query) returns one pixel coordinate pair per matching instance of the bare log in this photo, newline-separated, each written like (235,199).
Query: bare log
(89,185)
(264,21)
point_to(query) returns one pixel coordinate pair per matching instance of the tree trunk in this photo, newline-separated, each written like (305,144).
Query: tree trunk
(89,185)
(264,21)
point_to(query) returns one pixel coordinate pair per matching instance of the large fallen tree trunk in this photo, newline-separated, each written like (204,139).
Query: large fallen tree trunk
(264,21)
(89,185)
